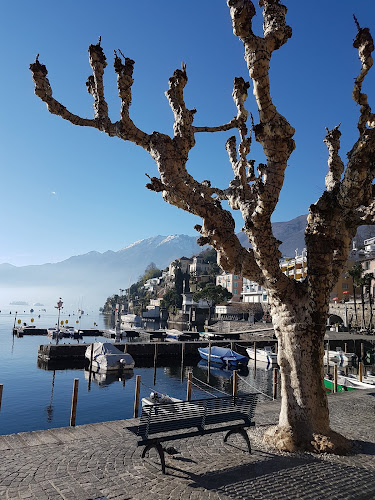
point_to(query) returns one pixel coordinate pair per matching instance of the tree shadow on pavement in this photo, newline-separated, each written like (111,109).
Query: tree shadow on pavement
(288,477)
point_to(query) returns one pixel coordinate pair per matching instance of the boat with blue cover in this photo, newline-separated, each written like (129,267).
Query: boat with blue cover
(222,356)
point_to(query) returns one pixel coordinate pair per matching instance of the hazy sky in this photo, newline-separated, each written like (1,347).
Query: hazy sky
(67,190)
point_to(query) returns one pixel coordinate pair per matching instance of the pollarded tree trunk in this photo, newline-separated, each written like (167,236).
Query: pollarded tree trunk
(304,417)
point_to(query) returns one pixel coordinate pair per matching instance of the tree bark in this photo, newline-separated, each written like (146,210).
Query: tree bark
(304,416)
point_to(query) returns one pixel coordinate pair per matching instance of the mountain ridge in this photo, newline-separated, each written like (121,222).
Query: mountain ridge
(97,275)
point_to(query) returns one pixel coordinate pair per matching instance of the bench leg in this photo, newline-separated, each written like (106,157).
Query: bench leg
(243,433)
(158,447)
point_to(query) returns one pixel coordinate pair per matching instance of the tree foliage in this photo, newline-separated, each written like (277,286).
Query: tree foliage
(212,293)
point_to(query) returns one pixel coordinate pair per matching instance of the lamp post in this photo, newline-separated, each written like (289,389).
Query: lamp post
(58,307)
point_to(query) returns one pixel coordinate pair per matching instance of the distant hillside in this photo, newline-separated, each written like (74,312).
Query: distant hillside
(292,235)
(87,280)
(94,276)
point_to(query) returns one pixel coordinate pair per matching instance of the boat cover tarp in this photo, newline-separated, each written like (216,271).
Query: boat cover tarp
(224,353)
(108,352)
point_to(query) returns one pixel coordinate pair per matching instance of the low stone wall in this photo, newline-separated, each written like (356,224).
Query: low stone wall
(347,313)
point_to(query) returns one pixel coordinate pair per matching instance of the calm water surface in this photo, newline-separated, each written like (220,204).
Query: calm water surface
(35,398)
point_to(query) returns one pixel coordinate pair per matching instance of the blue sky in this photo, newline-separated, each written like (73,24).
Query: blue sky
(68,190)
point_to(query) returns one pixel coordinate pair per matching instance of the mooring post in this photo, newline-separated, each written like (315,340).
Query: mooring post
(189,384)
(232,345)
(136,399)
(182,360)
(362,351)
(346,347)
(155,359)
(255,359)
(209,353)
(1,394)
(360,371)
(73,411)
(125,348)
(327,354)
(274,384)
(235,383)
(335,378)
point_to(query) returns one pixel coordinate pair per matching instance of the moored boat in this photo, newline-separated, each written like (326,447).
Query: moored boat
(339,356)
(174,335)
(106,357)
(156,399)
(222,356)
(264,354)
(54,333)
(345,383)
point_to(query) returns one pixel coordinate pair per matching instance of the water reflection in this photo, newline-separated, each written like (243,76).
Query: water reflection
(104,379)
(49,408)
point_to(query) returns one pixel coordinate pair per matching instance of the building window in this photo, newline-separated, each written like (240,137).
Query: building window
(344,286)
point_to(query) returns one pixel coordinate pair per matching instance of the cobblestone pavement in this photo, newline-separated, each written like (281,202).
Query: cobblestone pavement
(102,461)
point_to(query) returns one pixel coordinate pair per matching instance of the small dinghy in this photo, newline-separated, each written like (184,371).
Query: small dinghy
(107,357)
(222,356)
(264,354)
(156,399)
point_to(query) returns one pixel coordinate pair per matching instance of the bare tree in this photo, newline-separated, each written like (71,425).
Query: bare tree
(299,309)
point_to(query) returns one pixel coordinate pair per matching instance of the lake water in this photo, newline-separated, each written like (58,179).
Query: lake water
(35,398)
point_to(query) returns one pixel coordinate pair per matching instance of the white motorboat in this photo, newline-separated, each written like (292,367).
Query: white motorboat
(107,357)
(346,383)
(339,356)
(156,399)
(54,333)
(211,336)
(265,354)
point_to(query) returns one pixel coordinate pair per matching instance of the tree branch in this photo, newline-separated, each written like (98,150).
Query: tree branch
(95,85)
(273,132)
(127,129)
(335,164)
(44,91)
(365,45)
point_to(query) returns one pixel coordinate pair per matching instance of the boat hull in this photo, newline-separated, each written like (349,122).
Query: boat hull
(262,355)
(222,356)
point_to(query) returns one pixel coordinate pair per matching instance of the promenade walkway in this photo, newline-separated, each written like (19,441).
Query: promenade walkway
(101,461)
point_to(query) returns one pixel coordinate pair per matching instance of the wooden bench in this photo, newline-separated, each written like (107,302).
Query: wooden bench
(197,417)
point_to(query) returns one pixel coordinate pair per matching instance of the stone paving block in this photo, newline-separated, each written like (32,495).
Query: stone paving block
(46,437)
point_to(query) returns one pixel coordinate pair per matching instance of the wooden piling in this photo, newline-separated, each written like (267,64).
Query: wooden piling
(235,383)
(73,411)
(232,345)
(362,351)
(255,359)
(360,371)
(346,347)
(335,378)
(90,368)
(136,398)
(182,360)
(189,384)
(1,393)
(327,354)
(274,384)
(155,360)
